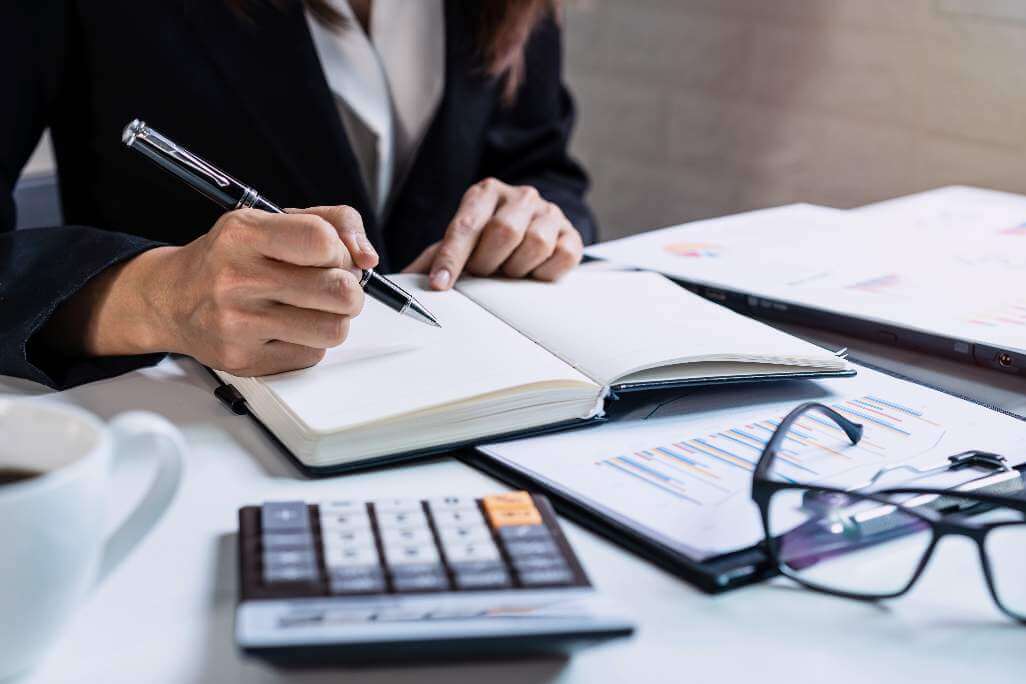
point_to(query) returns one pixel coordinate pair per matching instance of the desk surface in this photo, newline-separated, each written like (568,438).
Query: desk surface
(133,629)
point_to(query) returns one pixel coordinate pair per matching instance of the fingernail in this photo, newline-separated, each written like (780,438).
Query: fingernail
(440,279)
(365,246)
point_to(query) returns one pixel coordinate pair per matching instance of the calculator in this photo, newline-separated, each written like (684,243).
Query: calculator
(406,579)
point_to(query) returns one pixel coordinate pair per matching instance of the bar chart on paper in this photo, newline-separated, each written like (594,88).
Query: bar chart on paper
(710,467)
(680,470)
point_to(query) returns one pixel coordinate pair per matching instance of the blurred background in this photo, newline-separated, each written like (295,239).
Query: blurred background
(698,108)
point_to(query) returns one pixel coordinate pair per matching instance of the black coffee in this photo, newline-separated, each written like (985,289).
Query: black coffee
(9,475)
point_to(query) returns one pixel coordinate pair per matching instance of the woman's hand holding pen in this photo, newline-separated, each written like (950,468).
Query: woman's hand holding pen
(501,229)
(260,293)
(264,293)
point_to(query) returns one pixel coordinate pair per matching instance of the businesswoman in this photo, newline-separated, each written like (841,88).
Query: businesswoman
(427,135)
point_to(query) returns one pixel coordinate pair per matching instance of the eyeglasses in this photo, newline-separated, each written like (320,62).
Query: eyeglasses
(874,545)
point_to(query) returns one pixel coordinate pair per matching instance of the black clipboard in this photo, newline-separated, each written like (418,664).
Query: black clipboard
(712,575)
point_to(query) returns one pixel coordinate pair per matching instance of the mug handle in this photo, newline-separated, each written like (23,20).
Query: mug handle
(129,428)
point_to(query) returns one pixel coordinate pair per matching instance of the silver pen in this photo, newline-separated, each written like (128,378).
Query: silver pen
(231,194)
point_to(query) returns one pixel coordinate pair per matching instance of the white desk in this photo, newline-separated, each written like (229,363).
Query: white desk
(166,614)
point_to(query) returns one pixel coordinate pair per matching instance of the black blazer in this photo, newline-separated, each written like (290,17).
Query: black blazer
(249,94)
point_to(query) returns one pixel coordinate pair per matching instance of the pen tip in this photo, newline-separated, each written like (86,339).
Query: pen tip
(417,311)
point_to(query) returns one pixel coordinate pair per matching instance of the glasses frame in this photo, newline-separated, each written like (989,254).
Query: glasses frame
(764,488)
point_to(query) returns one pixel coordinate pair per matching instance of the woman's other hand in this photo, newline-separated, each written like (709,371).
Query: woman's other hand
(506,230)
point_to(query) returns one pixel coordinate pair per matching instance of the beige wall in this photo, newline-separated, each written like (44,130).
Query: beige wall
(696,108)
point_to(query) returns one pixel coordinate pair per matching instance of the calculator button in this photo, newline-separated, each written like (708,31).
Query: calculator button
(282,516)
(346,572)
(490,579)
(512,508)
(397,506)
(543,547)
(517,500)
(462,553)
(284,541)
(471,567)
(362,580)
(351,556)
(468,516)
(407,554)
(538,563)
(511,533)
(345,521)
(347,537)
(395,536)
(452,503)
(402,519)
(291,557)
(290,573)
(411,569)
(550,577)
(464,534)
(503,517)
(348,506)
(435,580)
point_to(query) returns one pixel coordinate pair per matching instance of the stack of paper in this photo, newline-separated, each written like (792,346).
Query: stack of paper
(950,262)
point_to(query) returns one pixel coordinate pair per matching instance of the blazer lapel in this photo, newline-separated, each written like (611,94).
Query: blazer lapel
(268,59)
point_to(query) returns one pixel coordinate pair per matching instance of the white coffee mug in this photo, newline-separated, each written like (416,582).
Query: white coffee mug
(53,543)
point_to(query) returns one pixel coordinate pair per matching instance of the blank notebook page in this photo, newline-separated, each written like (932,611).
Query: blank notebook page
(609,324)
(392,364)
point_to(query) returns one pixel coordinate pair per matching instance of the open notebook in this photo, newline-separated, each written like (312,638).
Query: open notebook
(512,357)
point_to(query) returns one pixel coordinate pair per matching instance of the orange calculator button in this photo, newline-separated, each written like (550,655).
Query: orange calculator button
(504,517)
(512,508)
(508,500)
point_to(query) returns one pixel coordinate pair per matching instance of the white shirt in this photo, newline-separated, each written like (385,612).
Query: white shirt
(387,84)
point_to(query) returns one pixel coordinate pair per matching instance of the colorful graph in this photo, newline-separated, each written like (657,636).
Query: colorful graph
(709,468)
(693,250)
(882,284)
(1008,315)
(1019,230)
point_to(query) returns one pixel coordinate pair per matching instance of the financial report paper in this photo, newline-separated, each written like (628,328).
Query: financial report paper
(680,470)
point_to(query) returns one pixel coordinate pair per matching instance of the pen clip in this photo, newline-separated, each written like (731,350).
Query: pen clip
(184,156)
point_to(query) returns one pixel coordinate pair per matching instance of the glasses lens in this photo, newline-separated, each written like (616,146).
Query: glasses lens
(846,542)
(1006,553)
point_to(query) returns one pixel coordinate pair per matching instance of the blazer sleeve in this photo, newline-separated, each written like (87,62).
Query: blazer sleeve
(41,268)
(527,141)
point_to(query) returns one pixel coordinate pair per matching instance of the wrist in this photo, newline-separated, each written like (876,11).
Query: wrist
(122,311)
(143,302)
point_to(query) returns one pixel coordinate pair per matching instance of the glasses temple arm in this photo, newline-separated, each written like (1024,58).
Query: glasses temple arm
(852,429)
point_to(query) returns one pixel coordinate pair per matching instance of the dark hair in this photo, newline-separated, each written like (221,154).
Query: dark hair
(504,27)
